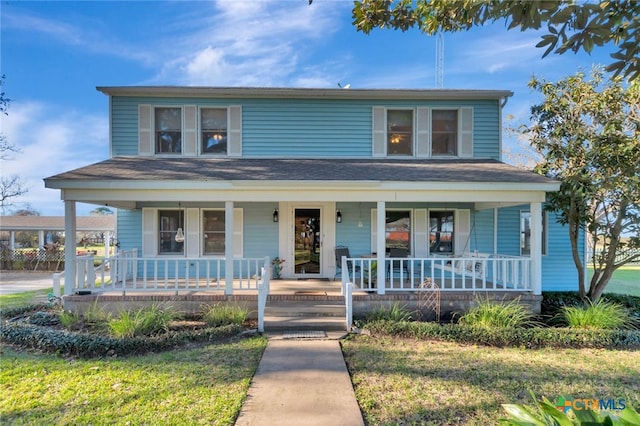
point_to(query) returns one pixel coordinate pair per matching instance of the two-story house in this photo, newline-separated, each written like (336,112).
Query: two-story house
(209,181)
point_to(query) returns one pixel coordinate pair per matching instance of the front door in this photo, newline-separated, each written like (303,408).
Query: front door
(307,242)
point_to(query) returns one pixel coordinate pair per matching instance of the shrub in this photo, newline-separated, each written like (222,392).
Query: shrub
(124,325)
(44,319)
(601,315)
(147,321)
(96,315)
(489,314)
(69,319)
(92,345)
(396,312)
(220,314)
(534,337)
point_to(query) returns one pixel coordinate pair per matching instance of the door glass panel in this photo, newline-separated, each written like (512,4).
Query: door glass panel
(307,241)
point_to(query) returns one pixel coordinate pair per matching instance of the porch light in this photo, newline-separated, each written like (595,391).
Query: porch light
(275,215)
(338,217)
(179,234)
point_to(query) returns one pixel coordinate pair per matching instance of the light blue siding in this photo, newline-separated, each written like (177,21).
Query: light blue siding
(303,128)
(482,234)
(130,230)
(259,233)
(349,233)
(558,270)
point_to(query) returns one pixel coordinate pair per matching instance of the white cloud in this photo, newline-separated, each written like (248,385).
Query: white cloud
(52,141)
(258,43)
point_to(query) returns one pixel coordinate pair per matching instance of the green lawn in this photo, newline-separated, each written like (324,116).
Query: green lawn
(625,280)
(206,385)
(414,382)
(25,298)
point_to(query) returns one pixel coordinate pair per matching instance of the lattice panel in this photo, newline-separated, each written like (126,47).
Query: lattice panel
(429,297)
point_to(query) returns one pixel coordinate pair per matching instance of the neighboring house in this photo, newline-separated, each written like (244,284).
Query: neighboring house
(250,173)
(48,228)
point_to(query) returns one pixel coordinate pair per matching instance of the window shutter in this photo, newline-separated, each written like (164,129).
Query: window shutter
(374,229)
(420,233)
(379,132)
(466,132)
(422,133)
(145,132)
(190,130)
(237,233)
(192,232)
(234,137)
(149,232)
(462,231)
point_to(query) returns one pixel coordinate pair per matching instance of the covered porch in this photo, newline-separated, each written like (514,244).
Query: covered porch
(267,208)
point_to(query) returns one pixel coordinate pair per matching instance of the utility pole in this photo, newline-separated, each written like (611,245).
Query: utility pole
(439,61)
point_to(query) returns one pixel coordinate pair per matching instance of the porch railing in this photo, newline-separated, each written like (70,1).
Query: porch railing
(473,273)
(129,272)
(263,293)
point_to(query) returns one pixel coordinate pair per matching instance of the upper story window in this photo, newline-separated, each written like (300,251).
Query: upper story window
(444,132)
(422,132)
(213,126)
(399,132)
(168,130)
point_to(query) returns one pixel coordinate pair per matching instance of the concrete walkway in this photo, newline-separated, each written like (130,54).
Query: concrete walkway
(12,282)
(301,382)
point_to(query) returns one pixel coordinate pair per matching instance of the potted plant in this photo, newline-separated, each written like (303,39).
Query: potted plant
(276,267)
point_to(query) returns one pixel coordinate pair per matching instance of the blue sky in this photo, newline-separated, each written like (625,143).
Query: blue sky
(55,53)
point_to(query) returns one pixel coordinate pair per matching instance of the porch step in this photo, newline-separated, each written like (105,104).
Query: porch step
(319,314)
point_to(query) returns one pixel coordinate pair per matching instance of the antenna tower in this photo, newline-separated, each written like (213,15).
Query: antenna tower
(439,61)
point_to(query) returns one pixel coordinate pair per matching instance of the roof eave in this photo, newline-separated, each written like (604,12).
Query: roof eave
(302,93)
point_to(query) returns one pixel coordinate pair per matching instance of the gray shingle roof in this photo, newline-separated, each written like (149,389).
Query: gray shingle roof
(330,169)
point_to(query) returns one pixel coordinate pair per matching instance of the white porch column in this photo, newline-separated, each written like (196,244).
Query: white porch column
(107,244)
(70,277)
(380,245)
(12,240)
(536,248)
(40,239)
(228,247)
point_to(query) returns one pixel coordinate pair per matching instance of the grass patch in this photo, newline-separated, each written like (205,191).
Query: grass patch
(408,381)
(206,385)
(24,298)
(624,280)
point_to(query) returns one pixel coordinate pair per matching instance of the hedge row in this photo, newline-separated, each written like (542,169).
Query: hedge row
(89,345)
(536,337)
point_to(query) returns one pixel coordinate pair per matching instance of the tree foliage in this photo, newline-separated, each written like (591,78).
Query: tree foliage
(571,26)
(588,132)
(101,211)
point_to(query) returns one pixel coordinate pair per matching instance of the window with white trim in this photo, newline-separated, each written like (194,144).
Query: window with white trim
(525,233)
(168,130)
(168,223)
(398,229)
(213,128)
(399,132)
(441,232)
(444,132)
(213,232)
